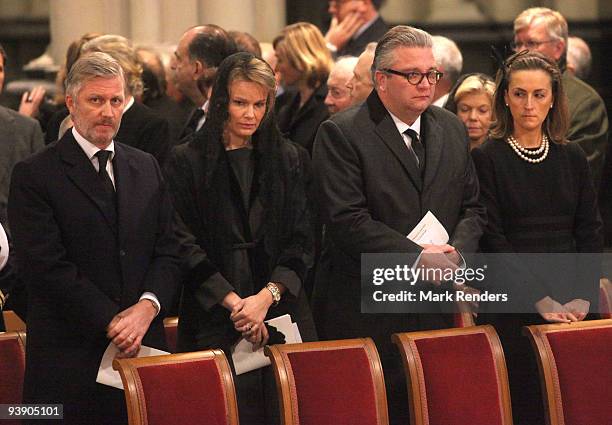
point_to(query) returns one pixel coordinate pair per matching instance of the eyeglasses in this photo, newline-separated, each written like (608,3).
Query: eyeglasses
(337,3)
(415,77)
(529,45)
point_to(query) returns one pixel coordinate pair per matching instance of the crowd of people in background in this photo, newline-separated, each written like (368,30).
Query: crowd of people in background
(237,181)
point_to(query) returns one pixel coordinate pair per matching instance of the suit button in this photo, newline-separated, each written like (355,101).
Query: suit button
(122,253)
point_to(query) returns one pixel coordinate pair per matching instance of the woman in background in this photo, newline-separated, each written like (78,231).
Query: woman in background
(304,63)
(238,186)
(473,103)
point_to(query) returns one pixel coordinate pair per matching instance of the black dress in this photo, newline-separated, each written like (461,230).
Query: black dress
(235,249)
(549,207)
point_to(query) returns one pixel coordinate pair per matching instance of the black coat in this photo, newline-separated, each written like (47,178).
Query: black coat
(81,268)
(300,125)
(140,127)
(371,195)
(356,46)
(278,253)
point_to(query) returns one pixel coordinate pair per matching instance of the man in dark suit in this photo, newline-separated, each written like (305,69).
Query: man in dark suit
(92,224)
(20,137)
(379,168)
(199,52)
(354,24)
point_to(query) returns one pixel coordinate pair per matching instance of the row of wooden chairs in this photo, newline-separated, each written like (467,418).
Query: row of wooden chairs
(454,376)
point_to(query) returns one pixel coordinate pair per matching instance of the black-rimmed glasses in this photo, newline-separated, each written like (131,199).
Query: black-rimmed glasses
(415,77)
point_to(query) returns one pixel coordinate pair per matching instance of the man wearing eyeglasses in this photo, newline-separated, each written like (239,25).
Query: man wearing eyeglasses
(379,168)
(544,30)
(354,24)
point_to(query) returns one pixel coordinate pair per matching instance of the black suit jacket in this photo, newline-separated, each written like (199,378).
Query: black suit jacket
(357,45)
(81,268)
(371,195)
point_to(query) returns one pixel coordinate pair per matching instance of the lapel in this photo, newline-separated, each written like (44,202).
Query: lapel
(83,174)
(126,184)
(433,136)
(387,131)
(7,141)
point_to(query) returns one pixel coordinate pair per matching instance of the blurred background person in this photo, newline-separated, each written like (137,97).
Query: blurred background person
(59,121)
(578,57)
(245,42)
(199,52)
(362,84)
(20,137)
(540,198)
(354,24)
(249,214)
(472,100)
(154,93)
(304,63)
(338,93)
(450,63)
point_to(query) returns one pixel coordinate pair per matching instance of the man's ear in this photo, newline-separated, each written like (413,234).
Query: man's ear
(198,69)
(69,102)
(381,81)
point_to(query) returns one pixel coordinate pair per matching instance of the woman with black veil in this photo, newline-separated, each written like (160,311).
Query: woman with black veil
(238,188)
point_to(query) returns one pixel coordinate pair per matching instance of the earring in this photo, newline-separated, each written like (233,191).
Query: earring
(506,105)
(551,105)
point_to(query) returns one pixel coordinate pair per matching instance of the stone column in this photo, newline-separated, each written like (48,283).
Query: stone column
(69,19)
(145,20)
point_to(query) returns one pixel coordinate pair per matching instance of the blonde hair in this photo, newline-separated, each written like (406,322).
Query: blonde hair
(304,47)
(122,51)
(475,84)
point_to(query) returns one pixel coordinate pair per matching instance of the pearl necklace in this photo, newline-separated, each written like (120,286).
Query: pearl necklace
(524,153)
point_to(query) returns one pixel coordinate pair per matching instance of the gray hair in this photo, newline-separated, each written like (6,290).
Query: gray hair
(399,36)
(89,66)
(555,23)
(448,56)
(579,57)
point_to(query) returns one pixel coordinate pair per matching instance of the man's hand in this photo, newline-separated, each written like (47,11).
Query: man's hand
(250,318)
(340,33)
(128,327)
(554,312)
(30,102)
(435,261)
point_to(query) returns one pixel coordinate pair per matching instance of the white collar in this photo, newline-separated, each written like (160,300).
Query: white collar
(89,148)
(129,104)
(402,126)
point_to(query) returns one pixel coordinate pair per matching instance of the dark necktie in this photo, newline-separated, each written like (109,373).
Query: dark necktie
(195,119)
(109,189)
(417,148)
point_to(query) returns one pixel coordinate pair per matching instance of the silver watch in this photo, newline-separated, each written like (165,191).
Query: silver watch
(276,295)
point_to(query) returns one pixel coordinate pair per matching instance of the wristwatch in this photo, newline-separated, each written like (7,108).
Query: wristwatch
(276,295)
